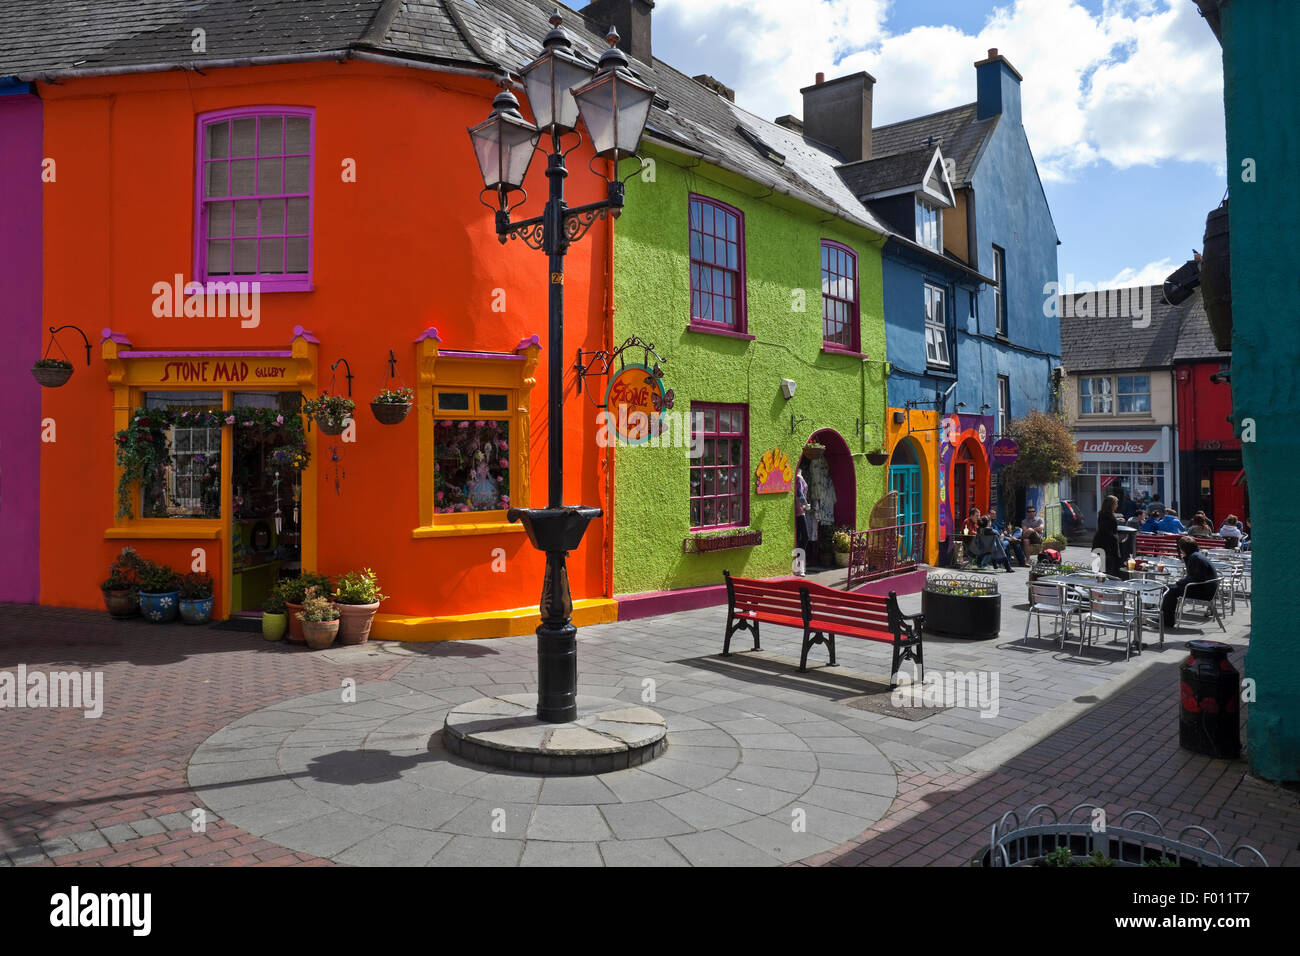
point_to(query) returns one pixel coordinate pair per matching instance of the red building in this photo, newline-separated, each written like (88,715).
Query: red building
(1209,455)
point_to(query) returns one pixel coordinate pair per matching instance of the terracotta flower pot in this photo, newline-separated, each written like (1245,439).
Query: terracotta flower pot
(355,621)
(295,625)
(320,634)
(274,626)
(122,604)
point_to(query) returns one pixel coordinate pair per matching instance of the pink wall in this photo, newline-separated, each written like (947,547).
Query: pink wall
(20,330)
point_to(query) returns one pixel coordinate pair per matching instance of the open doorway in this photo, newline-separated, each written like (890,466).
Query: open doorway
(827,465)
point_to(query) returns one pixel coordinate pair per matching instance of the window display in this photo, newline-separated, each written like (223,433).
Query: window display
(471,465)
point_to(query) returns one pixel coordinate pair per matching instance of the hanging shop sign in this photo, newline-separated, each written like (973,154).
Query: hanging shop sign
(634,399)
(1005,451)
(774,474)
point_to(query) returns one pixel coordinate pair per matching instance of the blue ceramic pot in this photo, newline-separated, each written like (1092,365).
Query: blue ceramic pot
(197,612)
(160,608)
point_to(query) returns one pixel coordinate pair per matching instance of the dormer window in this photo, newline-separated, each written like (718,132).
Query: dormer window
(929,224)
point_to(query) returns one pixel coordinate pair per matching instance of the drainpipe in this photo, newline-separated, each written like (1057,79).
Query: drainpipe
(608,558)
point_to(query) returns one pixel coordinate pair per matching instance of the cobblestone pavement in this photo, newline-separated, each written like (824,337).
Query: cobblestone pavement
(764,765)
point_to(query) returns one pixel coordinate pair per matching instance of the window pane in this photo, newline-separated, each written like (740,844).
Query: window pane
(218,219)
(297,213)
(242,174)
(186,482)
(453,401)
(297,174)
(471,466)
(296,255)
(297,135)
(215,180)
(246,218)
(219,258)
(269,172)
(271,259)
(245,252)
(270,135)
(493,402)
(272,217)
(243,134)
(218,139)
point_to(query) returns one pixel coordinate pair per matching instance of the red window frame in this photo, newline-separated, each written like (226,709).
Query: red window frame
(840,315)
(709,470)
(709,265)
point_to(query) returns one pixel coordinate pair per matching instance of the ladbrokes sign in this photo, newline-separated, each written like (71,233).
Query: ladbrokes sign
(1111,446)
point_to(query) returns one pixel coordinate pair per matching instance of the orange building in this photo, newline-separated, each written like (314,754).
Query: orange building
(345,186)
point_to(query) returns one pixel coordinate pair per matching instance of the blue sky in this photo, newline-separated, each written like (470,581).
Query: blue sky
(1123,100)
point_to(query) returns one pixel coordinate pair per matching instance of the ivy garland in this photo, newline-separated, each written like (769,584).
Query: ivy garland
(142,445)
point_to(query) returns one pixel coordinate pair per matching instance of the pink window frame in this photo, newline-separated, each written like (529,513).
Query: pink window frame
(273,282)
(697,410)
(741,327)
(855,345)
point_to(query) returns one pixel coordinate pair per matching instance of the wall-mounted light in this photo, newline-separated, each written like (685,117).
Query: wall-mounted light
(900,417)
(787,388)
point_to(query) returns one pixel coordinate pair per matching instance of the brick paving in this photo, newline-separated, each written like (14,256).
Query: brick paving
(1094,729)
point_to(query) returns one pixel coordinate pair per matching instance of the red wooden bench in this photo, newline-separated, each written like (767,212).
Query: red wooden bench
(1157,545)
(823,613)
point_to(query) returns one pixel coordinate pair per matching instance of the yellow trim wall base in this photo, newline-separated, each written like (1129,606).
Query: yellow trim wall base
(468,627)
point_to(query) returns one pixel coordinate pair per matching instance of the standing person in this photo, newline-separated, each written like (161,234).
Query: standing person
(1031,529)
(1106,537)
(1198,570)
(801,515)
(1010,544)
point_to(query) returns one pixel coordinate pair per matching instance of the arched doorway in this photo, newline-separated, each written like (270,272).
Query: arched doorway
(832,493)
(905,478)
(969,483)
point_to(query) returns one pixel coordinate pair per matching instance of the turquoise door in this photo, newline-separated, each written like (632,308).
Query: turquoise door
(906,480)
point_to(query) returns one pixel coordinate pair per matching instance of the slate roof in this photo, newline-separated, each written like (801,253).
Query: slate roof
(44,36)
(1195,340)
(955,131)
(1112,342)
(882,173)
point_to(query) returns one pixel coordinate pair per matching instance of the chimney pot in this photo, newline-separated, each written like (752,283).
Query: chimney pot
(993,51)
(821,78)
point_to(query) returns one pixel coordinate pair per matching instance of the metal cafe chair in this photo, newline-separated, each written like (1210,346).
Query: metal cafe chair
(1200,597)
(1109,610)
(1150,605)
(1050,600)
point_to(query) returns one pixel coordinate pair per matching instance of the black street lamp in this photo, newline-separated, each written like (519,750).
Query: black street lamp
(614,106)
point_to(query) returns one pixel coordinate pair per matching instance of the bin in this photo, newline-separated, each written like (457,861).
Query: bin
(1209,719)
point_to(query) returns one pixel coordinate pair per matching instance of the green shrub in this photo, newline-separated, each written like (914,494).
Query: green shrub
(158,579)
(358,587)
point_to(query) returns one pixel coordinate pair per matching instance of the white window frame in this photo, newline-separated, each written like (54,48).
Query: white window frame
(1004,405)
(1121,395)
(936,329)
(925,209)
(999,298)
(1105,396)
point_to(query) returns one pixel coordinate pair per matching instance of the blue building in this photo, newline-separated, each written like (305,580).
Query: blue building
(967,269)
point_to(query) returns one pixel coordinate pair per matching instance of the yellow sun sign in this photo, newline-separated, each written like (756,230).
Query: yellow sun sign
(774,473)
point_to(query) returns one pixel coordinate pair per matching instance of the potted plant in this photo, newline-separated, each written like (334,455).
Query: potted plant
(330,411)
(51,373)
(962,605)
(320,620)
(357,596)
(121,589)
(1057,541)
(274,619)
(294,592)
(159,593)
(391,406)
(196,598)
(843,542)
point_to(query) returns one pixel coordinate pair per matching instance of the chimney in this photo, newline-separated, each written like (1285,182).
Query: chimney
(717,86)
(997,87)
(838,113)
(632,20)
(790,122)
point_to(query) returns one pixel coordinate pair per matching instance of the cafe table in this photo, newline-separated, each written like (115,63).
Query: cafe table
(1133,587)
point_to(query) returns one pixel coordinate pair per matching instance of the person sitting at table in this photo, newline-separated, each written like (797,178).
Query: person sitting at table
(972,525)
(1169,523)
(988,544)
(1031,529)
(1230,532)
(1198,571)
(1138,520)
(1152,523)
(1106,538)
(1009,543)
(1200,523)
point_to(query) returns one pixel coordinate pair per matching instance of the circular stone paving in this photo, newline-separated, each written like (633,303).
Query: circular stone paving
(749,782)
(505,732)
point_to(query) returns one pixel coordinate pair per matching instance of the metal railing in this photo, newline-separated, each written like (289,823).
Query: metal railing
(881,552)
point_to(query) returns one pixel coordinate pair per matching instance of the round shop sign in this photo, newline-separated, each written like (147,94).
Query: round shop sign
(634,399)
(984,433)
(1005,451)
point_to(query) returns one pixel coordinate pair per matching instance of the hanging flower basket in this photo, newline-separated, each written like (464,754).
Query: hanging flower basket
(812,450)
(51,373)
(877,457)
(331,412)
(391,406)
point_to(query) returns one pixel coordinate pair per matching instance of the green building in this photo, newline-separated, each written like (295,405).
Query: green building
(756,275)
(1261,93)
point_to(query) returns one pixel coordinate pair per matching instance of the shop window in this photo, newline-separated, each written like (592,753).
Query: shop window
(719,476)
(717,250)
(471,469)
(254,197)
(185,479)
(839,296)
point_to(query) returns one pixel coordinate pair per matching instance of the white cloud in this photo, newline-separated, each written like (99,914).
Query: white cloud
(1153,273)
(1137,84)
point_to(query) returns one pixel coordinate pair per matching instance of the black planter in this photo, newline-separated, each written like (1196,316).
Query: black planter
(962,615)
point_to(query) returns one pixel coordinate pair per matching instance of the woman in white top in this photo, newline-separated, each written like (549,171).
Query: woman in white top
(1230,532)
